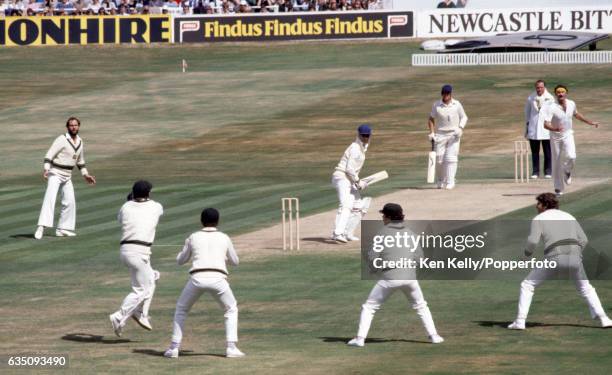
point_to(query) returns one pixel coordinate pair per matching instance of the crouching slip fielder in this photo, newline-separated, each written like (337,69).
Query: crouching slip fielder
(138,218)
(564,241)
(65,153)
(209,251)
(347,183)
(446,123)
(393,218)
(558,119)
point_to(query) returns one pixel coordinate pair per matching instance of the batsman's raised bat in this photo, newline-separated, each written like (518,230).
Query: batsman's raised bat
(376,177)
(431,165)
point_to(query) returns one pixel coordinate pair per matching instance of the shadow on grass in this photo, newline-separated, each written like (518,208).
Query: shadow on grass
(491,323)
(320,239)
(86,337)
(519,195)
(23,235)
(182,353)
(372,340)
(429,187)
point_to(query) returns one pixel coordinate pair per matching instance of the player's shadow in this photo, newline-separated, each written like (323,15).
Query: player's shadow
(182,353)
(431,187)
(519,195)
(371,340)
(491,323)
(320,240)
(86,337)
(22,235)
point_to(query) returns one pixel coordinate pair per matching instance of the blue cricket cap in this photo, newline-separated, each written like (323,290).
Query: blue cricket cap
(447,89)
(364,129)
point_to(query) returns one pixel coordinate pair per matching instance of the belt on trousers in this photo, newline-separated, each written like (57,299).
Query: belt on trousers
(565,242)
(207,270)
(136,242)
(60,166)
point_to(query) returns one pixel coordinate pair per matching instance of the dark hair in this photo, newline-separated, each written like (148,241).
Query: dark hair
(548,200)
(72,118)
(540,81)
(209,217)
(561,87)
(141,189)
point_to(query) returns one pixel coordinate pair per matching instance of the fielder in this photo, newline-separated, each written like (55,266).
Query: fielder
(564,241)
(535,131)
(446,123)
(209,250)
(348,185)
(558,119)
(138,218)
(65,153)
(393,218)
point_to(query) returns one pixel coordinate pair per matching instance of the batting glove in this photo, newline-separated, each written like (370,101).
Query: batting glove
(362,184)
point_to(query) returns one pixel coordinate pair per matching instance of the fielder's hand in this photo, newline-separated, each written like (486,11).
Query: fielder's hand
(432,137)
(45,174)
(458,132)
(91,180)
(595,124)
(362,185)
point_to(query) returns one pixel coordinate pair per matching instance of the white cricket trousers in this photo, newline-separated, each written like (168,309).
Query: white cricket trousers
(347,195)
(447,157)
(219,288)
(383,290)
(143,285)
(570,266)
(67,217)
(563,155)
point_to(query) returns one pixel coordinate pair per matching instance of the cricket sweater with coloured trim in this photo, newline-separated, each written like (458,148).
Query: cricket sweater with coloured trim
(209,250)
(64,155)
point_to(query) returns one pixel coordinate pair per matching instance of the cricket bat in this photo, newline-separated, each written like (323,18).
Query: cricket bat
(376,177)
(431,165)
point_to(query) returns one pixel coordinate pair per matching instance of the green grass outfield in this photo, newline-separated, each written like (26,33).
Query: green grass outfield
(247,125)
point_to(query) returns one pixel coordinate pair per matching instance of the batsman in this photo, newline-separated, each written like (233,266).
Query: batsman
(446,123)
(348,186)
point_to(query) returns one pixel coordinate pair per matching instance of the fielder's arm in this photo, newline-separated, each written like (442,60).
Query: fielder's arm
(185,255)
(580,117)
(232,256)
(534,237)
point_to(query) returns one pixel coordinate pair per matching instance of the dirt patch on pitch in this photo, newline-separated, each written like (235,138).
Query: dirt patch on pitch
(475,201)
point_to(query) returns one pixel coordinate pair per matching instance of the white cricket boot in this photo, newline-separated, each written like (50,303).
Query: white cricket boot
(64,233)
(142,321)
(436,339)
(40,231)
(357,342)
(339,238)
(233,352)
(116,323)
(171,353)
(518,324)
(605,321)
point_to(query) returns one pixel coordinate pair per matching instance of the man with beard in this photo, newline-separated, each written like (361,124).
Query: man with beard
(65,153)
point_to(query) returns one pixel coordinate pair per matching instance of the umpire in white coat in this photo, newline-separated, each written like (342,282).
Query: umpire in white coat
(138,218)
(564,240)
(208,249)
(535,131)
